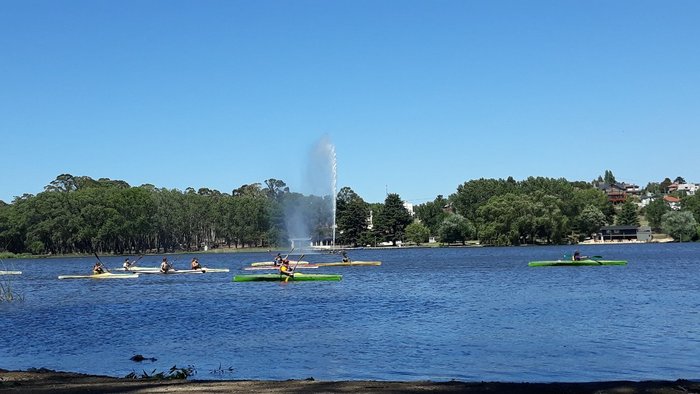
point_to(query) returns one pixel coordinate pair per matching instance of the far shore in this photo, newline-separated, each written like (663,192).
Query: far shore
(48,381)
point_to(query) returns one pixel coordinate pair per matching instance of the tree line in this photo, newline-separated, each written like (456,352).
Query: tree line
(77,214)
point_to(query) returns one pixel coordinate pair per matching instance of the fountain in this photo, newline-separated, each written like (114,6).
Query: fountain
(319,182)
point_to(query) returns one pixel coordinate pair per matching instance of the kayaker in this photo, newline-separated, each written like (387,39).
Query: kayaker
(278,259)
(98,269)
(195,264)
(577,256)
(127,264)
(346,259)
(285,269)
(165,266)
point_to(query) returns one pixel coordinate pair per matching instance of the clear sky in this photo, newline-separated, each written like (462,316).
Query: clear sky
(416,96)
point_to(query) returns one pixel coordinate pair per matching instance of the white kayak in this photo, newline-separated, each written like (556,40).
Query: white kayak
(291,262)
(349,263)
(276,267)
(10,272)
(156,270)
(203,270)
(106,275)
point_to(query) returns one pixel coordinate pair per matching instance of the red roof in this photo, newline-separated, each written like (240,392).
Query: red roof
(671,199)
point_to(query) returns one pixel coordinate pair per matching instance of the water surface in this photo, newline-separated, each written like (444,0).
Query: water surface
(446,313)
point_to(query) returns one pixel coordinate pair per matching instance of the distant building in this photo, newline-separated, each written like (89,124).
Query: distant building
(626,233)
(409,208)
(617,193)
(673,202)
(688,188)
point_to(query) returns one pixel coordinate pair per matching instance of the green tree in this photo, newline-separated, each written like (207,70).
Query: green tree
(590,220)
(655,211)
(471,195)
(692,204)
(431,214)
(455,228)
(628,215)
(665,184)
(392,219)
(417,233)
(352,213)
(609,178)
(681,225)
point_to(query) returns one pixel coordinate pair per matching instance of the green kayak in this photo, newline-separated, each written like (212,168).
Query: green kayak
(281,278)
(570,263)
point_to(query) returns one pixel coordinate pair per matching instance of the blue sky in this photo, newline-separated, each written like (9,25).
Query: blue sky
(416,96)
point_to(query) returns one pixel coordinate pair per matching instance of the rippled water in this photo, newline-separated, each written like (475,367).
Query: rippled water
(458,313)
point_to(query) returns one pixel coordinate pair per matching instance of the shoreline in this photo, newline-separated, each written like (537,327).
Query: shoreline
(49,381)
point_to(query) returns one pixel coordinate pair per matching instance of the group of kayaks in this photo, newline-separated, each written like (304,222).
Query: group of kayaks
(134,272)
(298,276)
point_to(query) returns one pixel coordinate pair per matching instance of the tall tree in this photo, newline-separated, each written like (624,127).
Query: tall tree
(609,178)
(628,215)
(352,214)
(392,219)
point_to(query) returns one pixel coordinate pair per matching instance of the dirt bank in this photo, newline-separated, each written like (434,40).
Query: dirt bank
(45,381)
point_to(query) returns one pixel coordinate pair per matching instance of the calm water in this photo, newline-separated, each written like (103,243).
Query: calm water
(462,313)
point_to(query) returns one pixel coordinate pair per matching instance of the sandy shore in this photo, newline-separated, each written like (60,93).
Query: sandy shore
(46,381)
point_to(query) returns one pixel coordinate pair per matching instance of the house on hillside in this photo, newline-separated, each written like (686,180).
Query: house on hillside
(688,188)
(631,188)
(617,193)
(673,202)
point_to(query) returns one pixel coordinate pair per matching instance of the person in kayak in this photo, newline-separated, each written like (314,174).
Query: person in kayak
(285,269)
(127,264)
(98,269)
(278,260)
(346,259)
(577,256)
(165,266)
(195,264)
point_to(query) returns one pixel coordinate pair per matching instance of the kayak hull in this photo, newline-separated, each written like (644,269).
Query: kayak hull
(106,275)
(349,264)
(281,278)
(291,262)
(10,272)
(272,267)
(569,263)
(156,270)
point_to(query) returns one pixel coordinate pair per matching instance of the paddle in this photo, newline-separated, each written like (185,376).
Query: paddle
(596,258)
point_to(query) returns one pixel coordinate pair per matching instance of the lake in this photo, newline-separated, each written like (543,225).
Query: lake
(468,314)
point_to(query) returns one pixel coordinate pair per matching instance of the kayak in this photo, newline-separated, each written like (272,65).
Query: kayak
(156,270)
(106,275)
(291,262)
(349,263)
(281,278)
(570,263)
(172,272)
(276,267)
(10,272)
